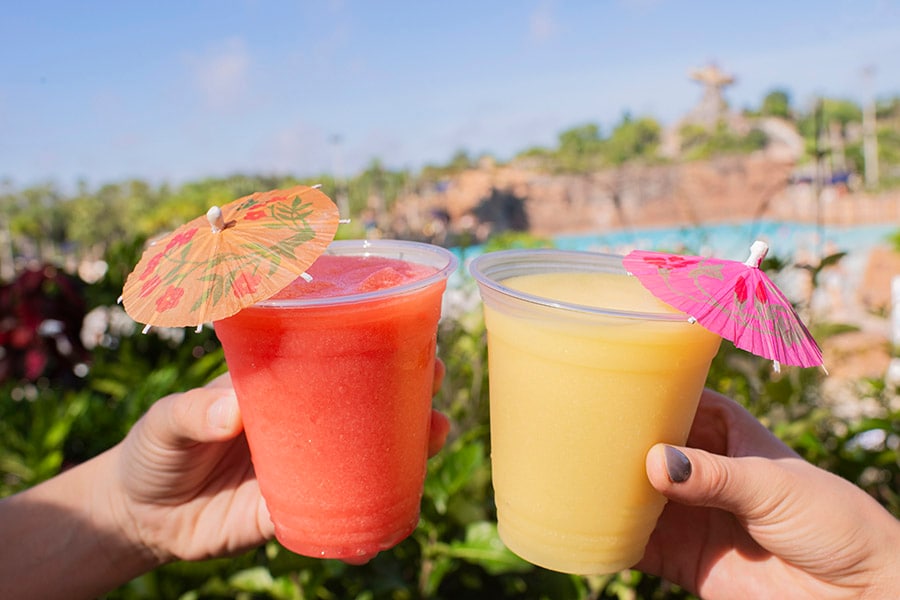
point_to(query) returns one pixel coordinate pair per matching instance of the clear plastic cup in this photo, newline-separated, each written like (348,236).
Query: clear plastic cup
(335,395)
(587,372)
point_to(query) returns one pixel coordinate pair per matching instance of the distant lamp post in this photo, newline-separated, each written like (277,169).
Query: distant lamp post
(7,258)
(870,134)
(7,261)
(341,195)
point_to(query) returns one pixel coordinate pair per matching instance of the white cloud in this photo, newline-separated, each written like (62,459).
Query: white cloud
(543,25)
(222,75)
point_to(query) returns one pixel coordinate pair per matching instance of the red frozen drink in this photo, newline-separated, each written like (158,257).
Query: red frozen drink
(334,378)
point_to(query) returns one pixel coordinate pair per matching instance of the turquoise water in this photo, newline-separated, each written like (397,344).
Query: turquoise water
(789,241)
(732,240)
(793,243)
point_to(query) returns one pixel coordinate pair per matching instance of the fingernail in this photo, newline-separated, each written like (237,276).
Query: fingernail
(221,413)
(677,465)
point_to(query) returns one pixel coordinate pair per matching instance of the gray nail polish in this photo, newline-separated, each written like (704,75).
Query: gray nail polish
(677,465)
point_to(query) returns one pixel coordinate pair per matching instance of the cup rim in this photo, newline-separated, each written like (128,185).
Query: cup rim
(442,259)
(572,260)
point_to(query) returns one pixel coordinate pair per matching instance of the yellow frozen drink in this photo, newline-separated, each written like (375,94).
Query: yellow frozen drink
(587,372)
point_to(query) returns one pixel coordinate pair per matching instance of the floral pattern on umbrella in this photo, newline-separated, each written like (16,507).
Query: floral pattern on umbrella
(733,299)
(215,265)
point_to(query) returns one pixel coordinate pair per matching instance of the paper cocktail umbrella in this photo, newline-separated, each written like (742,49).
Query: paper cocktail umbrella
(733,299)
(234,256)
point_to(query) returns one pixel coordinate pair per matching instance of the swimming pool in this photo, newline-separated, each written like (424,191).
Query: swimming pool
(732,240)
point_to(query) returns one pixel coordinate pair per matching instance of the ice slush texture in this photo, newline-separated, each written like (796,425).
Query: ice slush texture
(336,405)
(576,403)
(345,275)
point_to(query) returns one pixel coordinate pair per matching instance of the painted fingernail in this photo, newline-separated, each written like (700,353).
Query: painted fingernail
(677,465)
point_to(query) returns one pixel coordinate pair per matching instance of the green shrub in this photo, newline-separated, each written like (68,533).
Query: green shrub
(455,551)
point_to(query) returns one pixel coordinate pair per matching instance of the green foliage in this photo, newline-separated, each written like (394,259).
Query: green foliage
(46,222)
(895,241)
(34,431)
(632,140)
(583,149)
(376,183)
(698,142)
(515,239)
(864,450)
(580,149)
(459,162)
(889,150)
(826,111)
(776,103)
(32,213)
(455,551)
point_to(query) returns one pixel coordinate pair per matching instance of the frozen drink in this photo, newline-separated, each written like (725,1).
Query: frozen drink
(334,379)
(587,372)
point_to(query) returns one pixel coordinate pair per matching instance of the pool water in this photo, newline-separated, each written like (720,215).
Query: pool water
(732,240)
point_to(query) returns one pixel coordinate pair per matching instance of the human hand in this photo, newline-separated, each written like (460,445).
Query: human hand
(748,518)
(185,486)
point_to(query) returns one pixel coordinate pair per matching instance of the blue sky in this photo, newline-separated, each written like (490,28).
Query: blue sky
(176,91)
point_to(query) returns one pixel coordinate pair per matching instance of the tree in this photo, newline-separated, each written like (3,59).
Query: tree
(461,161)
(699,143)
(377,187)
(580,148)
(36,217)
(633,139)
(115,212)
(777,103)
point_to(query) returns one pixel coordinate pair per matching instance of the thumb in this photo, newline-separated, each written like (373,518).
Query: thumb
(749,487)
(208,414)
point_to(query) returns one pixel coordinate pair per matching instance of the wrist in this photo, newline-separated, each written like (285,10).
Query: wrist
(124,549)
(68,522)
(886,579)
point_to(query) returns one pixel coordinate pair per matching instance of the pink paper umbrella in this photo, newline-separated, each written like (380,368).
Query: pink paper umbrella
(730,298)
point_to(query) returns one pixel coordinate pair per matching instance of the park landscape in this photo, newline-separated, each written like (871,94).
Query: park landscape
(76,372)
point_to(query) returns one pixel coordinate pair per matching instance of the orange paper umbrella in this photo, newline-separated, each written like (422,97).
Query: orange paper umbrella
(215,265)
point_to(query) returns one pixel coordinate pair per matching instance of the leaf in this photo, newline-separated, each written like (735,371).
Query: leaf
(831,259)
(482,546)
(49,464)
(109,386)
(440,567)
(453,472)
(288,246)
(255,579)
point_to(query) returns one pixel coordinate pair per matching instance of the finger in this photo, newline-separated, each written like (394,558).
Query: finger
(722,426)
(439,371)
(749,487)
(440,427)
(198,415)
(222,381)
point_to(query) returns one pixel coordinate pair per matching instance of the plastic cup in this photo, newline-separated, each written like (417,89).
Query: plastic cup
(335,395)
(587,372)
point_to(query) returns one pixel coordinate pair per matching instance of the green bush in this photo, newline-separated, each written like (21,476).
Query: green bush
(455,551)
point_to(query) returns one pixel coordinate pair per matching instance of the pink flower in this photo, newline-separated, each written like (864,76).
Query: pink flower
(151,266)
(245,284)
(761,293)
(35,362)
(255,214)
(169,299)
(181,239)
(672,262)
(740,290)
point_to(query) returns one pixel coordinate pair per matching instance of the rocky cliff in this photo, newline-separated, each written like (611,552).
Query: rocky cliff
(725,189)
